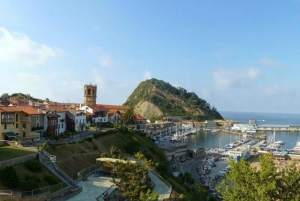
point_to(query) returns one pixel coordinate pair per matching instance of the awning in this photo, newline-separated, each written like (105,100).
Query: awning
(10,134)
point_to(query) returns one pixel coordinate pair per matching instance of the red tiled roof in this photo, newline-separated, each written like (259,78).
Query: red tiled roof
(9,109)
(55,108)
(98,108)
(28,110)
(89,114)
(139,117)
(112,112)
(116,107)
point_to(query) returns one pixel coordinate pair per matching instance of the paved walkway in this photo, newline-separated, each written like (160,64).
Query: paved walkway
(93,188)
(160,187)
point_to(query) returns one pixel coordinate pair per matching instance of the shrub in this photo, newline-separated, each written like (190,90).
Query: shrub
(33,166)
(131,147)
(89,139)
(51,179)
(30,182)
(95,147)
(9,177)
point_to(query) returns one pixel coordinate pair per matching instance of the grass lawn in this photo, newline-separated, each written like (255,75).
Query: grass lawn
(9,152)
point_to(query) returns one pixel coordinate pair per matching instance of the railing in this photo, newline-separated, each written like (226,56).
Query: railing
(63,174)
(37,128)
(106,194)
(51,157)
(160,178)
(5,192)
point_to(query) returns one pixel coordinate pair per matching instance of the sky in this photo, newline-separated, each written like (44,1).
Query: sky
(237,55)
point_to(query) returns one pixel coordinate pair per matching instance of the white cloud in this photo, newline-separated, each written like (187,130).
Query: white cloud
(272,63)
(228,79)
(19,48)
(279,90)
(253,73)
(147,75)
(105,60)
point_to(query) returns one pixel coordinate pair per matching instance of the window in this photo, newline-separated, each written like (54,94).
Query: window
(24,125)
(82,120)
(89,91)
(37,118)
(17,125)
(4,126)
(79,120)
(76,121)
(62,125)
(7,118)
(58,126)
(37,124)
(17,117)
(23,134)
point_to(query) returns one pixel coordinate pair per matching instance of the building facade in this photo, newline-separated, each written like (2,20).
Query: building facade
(90,94)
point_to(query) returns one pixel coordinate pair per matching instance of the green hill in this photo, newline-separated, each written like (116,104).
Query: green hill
(155,98)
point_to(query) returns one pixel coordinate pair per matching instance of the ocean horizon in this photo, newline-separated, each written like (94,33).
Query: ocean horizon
(263,117)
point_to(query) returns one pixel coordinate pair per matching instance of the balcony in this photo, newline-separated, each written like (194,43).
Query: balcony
(37,128)
(26,119)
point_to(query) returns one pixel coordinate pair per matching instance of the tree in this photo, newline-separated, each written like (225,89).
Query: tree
(114,151)
(9,177)
(128,116)
(247,183)
(132,180)
(148,196)
(201,191)
(4,95)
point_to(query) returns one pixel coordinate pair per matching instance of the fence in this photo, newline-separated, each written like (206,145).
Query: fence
(86,172)
(5,192)
(160,178)
(17,161)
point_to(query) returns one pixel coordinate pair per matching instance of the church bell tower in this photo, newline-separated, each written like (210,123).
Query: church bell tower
(90,94)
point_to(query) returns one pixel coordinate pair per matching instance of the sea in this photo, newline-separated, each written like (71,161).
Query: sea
(219,139)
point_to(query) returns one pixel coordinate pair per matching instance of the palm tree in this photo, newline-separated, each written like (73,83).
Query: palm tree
(128,116)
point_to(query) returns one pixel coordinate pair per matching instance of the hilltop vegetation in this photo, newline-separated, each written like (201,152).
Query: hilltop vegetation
(21,96)
(155,97)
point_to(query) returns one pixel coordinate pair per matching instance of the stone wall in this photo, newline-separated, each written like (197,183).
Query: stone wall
(17,161)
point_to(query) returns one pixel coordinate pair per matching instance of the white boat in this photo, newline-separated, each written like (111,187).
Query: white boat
(297,147)
(278,141)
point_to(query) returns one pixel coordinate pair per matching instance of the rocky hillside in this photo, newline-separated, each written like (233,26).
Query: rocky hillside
(155,98)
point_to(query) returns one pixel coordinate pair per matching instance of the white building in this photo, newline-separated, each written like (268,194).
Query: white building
(78,118)
(99,113)
(60,114)
(244,128)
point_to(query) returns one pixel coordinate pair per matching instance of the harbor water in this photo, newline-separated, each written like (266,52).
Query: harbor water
(219,139)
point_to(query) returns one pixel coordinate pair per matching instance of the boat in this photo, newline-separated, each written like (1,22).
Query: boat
(297,147)
(278,141)
(193,131)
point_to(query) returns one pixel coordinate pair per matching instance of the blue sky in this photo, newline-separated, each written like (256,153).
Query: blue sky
(237,55)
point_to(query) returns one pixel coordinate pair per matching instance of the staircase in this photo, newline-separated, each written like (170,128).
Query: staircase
(49,161)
